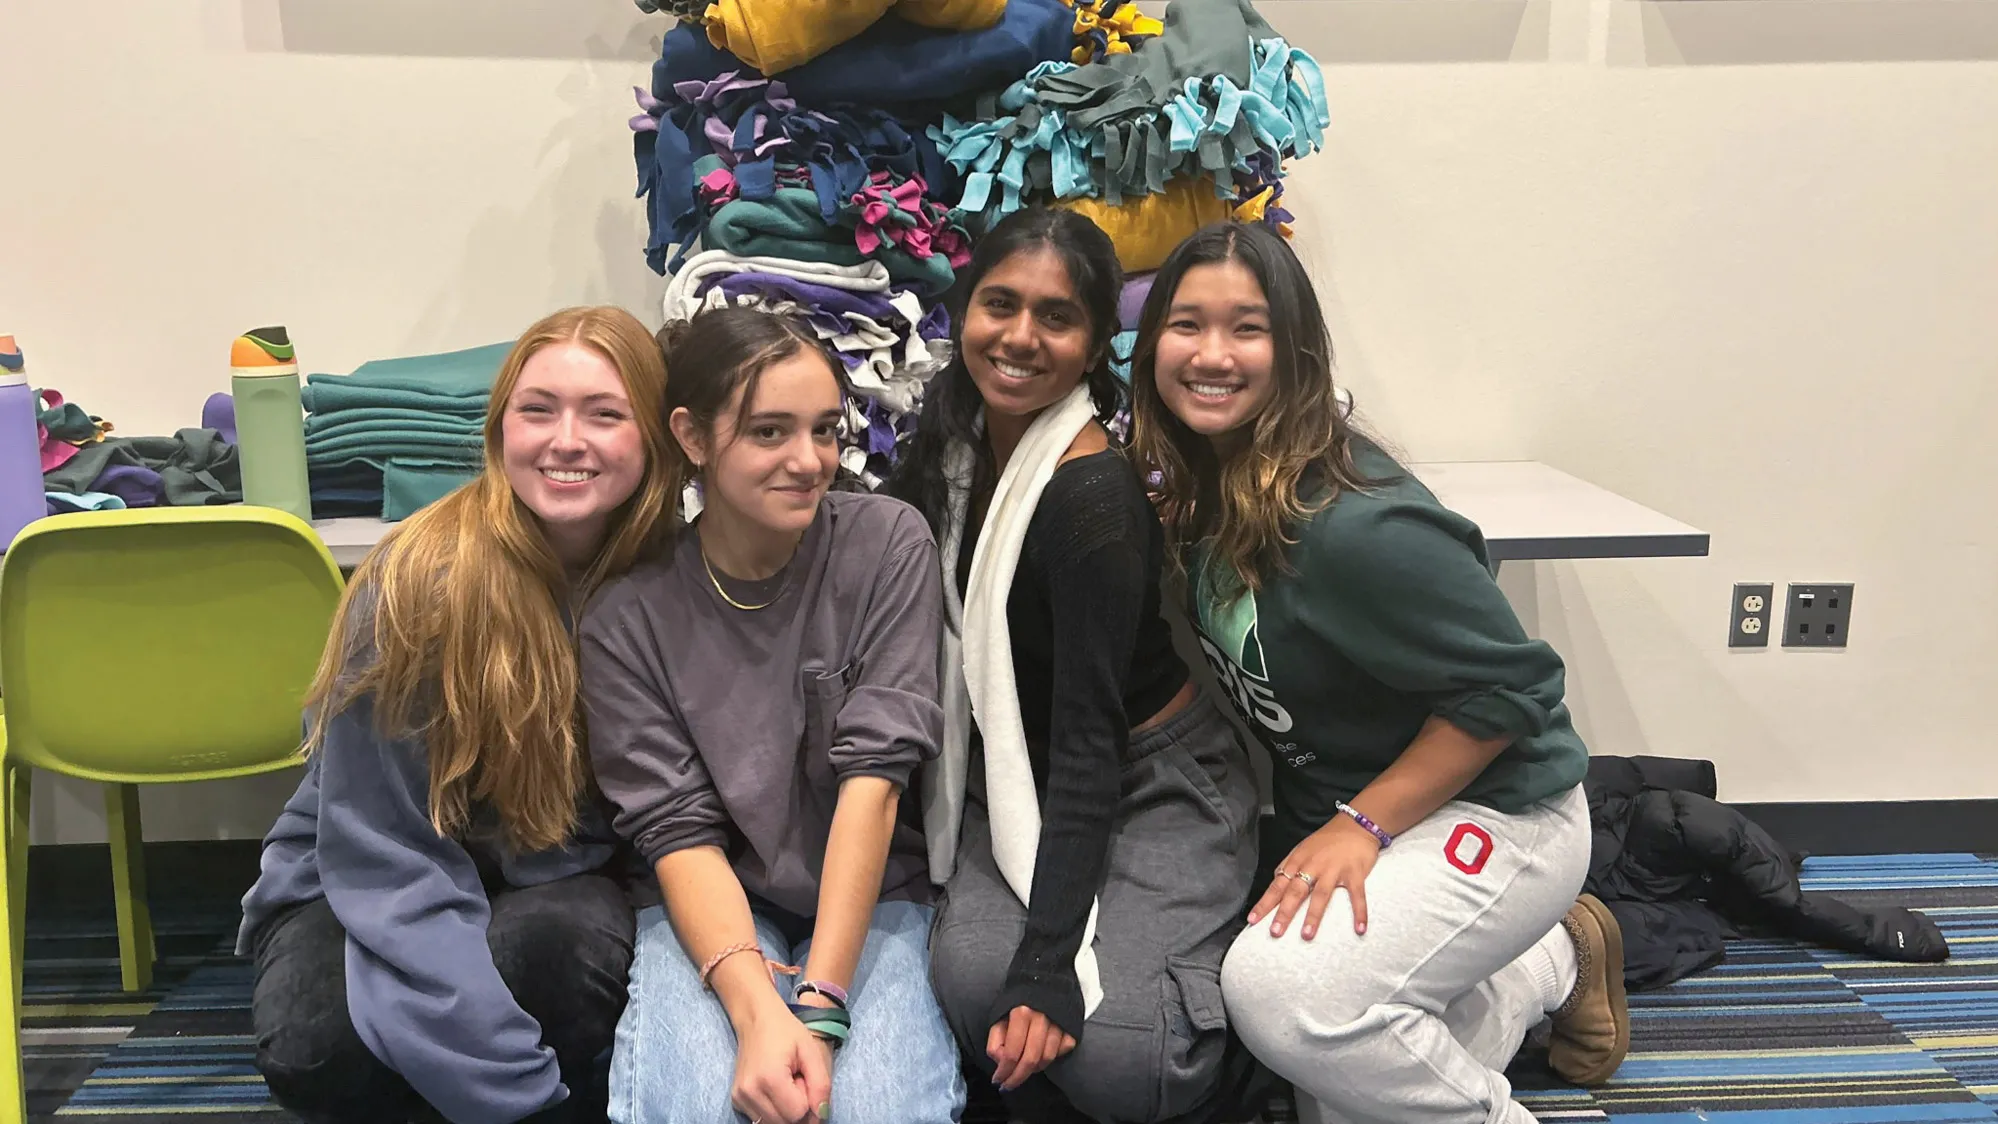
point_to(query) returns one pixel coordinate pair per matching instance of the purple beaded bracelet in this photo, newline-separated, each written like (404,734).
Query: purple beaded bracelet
(1373,828)
(831,991)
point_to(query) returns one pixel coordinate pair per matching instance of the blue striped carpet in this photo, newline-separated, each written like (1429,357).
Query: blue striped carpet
(1777,1034)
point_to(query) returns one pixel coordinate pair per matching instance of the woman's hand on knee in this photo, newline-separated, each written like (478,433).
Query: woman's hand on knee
(1022,1044)
(783,1074)
(1341,853)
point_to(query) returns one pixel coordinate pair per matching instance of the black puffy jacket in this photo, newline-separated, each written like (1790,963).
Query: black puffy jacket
(1682,873)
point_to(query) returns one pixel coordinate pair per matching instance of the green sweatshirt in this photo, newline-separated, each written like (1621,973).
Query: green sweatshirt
(1390,614)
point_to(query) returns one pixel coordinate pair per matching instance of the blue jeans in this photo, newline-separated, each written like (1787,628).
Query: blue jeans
(674,1062)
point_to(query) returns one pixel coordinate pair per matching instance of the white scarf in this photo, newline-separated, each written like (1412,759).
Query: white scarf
(978,670)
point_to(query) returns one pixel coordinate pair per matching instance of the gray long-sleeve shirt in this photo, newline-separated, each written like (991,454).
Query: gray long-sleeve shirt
(714,725)
(422,988)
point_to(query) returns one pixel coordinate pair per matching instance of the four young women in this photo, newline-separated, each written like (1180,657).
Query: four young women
(1069,900)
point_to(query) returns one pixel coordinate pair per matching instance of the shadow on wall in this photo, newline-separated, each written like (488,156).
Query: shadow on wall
(1641,32)
(1750,32)
(1343,31)
(1414,31)
(573,159)
(507,29)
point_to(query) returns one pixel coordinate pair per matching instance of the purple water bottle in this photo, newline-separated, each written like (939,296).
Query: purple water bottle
(21,501)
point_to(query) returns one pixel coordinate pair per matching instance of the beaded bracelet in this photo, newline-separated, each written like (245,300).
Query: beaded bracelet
(831,991)
(1373,828)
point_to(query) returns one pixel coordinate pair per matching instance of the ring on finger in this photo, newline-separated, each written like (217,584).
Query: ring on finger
(1309,880)
(1282,873)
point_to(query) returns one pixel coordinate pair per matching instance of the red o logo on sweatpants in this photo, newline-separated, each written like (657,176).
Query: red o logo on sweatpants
(1468,848)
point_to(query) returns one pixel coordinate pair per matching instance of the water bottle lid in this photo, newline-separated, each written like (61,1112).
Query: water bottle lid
(13,368)
(263,351)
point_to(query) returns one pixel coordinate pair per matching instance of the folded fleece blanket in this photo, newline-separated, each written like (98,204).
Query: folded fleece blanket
(775,35)
(410,484)
(895,61)
(1218,93)
(391,491)
(697,271)
(377,445)
(466,373)
(886,359)
(364,419)
(764,140)
(1147,227)
(788,226)
(450,382)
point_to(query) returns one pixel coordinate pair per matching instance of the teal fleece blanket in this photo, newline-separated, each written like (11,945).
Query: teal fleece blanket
(452,382)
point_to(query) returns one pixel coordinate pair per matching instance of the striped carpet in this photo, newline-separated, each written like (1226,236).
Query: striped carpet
(1777,1034)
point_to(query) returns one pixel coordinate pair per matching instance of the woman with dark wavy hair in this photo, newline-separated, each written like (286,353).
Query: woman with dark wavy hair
(1424,760)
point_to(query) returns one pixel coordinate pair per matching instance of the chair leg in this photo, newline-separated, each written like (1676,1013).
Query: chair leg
(18,803)
(13,1090)
(128,879)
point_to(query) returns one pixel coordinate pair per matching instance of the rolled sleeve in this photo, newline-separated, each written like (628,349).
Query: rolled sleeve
(645,762)
(1411,601)
(891,720)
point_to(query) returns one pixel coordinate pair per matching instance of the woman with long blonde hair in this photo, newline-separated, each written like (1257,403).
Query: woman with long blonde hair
(1429,809)
(439,929)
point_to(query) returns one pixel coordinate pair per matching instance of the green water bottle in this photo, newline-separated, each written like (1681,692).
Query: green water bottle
(270,421)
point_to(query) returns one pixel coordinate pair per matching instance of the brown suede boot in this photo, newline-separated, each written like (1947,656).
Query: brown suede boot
(1592,1029)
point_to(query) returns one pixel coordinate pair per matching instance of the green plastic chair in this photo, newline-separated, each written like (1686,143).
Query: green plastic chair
(147,646)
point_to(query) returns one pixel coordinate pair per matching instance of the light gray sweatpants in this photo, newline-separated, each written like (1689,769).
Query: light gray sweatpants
(1464,953)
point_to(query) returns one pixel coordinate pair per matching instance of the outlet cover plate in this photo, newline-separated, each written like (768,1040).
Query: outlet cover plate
(1749,621)
(1819,615)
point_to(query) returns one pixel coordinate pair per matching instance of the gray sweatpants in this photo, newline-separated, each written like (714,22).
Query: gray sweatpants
(1181,857)
(1464,952)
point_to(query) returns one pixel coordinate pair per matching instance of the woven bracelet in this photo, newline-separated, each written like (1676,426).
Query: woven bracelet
(714,961)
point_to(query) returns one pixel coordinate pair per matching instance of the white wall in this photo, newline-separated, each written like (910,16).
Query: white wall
(1721,257)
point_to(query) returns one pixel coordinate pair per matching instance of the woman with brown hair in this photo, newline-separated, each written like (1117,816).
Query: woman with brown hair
(758,700)
(436,929)
(1424,760)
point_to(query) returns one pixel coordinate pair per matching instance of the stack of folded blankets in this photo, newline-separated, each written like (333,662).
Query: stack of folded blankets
(397,433)
(792,140)
(1165,128)
(838,158)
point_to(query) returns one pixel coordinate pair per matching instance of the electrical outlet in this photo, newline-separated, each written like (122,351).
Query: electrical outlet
(1748,623)
(1819,616)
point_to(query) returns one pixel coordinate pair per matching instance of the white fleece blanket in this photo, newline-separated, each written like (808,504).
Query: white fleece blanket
(978,671)
(867,277)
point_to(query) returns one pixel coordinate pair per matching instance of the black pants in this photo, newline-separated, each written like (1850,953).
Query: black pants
(563,948)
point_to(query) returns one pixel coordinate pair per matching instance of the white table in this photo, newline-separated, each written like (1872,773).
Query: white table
(1529,510)
(1526,509)
(350,539)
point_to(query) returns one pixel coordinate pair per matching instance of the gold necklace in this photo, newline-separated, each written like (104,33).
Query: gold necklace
(709,567)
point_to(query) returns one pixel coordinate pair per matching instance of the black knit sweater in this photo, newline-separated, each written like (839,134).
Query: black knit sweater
(1092,658)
